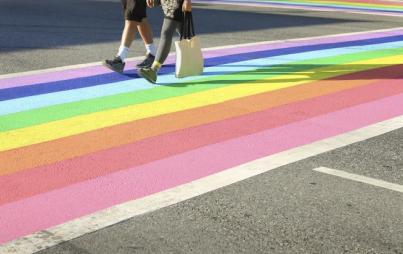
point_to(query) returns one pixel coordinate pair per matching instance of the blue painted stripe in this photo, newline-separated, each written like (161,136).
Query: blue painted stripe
(64,85)
(28,103)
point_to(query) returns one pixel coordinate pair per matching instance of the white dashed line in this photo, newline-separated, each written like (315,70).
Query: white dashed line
(361,179)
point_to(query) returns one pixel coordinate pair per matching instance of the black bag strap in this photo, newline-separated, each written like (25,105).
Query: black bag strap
(188,30)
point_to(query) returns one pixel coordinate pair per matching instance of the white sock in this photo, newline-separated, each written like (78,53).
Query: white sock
(122,53)
(151,49)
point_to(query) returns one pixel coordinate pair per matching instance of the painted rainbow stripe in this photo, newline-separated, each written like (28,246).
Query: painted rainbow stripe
(378,7)
(76,141)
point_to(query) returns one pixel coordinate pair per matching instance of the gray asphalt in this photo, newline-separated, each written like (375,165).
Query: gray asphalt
(291,209)
(46,33)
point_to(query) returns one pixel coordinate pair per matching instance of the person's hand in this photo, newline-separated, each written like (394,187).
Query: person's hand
(150,3)
(187,5)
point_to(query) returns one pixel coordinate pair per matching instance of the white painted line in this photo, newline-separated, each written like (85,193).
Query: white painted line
(361,179)
(306,8)
(90,223)
(54,69)
(78,66)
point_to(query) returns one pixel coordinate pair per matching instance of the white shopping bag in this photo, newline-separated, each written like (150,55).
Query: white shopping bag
(189,57)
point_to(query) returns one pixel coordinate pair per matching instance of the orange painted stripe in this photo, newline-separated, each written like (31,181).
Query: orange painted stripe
(133,156)
(73,146)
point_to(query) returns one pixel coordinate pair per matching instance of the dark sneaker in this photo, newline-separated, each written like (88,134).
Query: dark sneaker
(116,64)
(149,74)
(147,62)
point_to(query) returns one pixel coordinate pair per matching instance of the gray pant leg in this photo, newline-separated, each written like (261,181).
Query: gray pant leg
(167,32)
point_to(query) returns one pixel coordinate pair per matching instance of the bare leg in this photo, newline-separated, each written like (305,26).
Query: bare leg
(145,31)
(129,33)
(128,36)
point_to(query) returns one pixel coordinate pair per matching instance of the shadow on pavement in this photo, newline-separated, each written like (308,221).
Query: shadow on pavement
(277,74)
(42,24)
(297,73)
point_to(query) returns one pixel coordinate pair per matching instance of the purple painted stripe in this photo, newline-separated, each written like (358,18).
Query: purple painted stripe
(64,85)
(97,70)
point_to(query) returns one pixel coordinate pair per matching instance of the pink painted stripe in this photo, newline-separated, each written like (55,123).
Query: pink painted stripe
(38,180)
(55,207)
(97,70)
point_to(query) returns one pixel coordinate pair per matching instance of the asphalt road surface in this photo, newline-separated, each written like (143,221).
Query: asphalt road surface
(46,33)
(290,209)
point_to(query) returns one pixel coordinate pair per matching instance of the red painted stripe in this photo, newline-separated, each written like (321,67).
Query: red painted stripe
(58,175)
(52,208)
(50,152)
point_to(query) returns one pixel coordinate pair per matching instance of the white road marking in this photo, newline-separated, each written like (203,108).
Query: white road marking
(101,219)
(301,7)
(360,178)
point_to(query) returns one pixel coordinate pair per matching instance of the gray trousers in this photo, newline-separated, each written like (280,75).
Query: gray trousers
(167,32)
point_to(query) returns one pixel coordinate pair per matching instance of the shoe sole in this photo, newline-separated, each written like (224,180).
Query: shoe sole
(144,66)
(110,68)
(140,65)
(146,77)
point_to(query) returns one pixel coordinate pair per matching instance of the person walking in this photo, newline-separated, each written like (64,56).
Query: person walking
(173,19)
(135,20)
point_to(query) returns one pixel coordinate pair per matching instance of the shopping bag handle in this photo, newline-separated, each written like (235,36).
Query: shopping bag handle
(188,30)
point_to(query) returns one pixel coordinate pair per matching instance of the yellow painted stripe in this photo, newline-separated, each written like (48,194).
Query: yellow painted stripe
(80,124)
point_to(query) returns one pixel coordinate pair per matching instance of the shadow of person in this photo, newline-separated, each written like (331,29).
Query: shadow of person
(288,73)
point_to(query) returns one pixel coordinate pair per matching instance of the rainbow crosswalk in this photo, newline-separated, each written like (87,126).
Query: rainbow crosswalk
(376,7)
(79,140)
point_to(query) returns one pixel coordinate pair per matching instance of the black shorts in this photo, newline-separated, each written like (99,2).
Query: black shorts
(134,10)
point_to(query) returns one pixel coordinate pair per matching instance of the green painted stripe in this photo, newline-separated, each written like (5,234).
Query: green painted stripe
(64,111)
